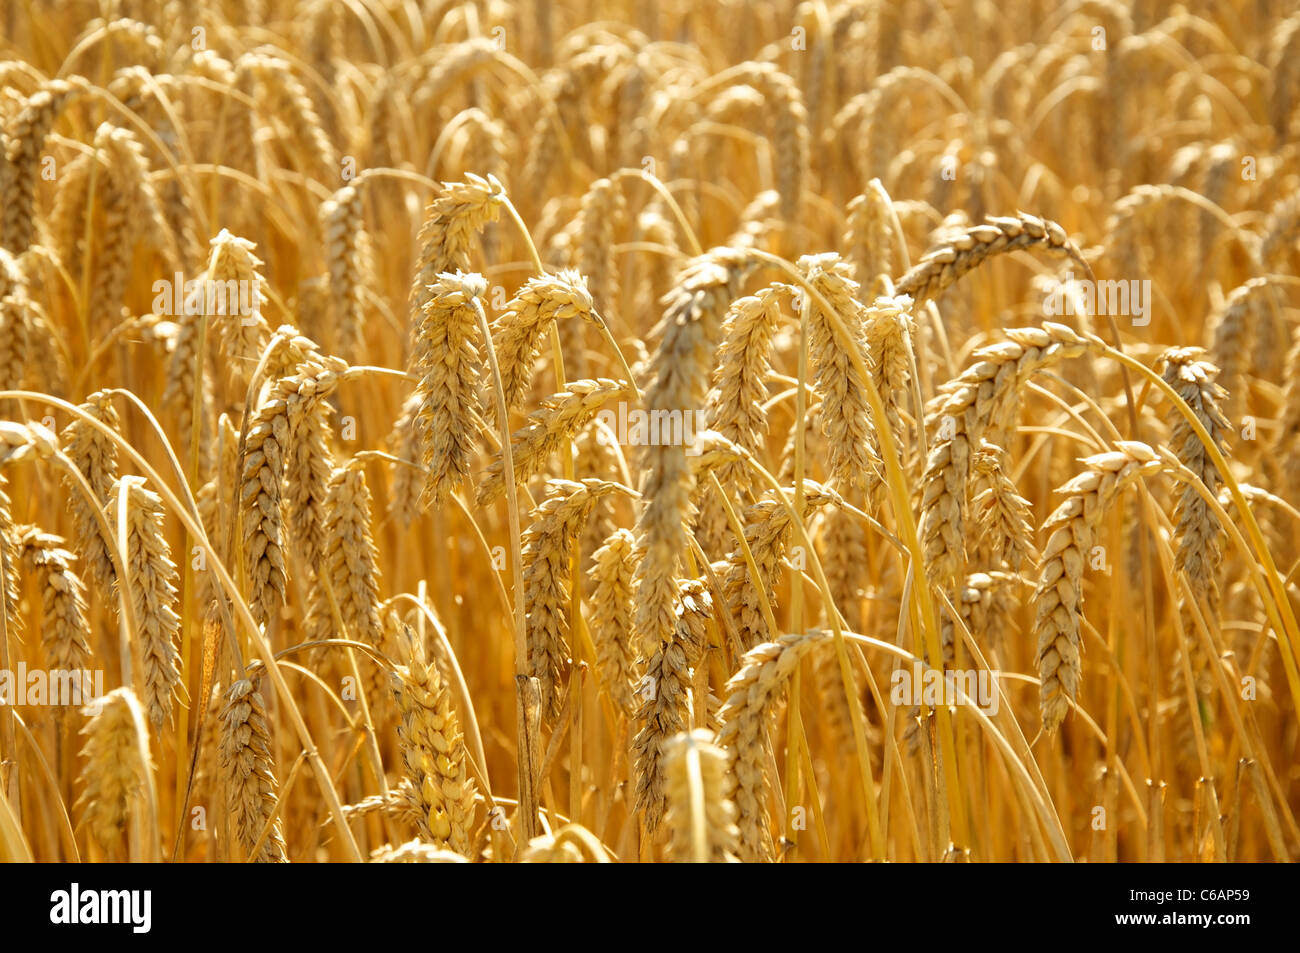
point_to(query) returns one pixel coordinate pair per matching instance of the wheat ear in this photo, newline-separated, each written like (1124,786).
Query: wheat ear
(1059,596)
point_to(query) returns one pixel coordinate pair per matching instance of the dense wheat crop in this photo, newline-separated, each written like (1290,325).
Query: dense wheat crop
(544,431)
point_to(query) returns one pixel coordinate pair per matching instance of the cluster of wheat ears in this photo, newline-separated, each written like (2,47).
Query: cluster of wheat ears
(321,325)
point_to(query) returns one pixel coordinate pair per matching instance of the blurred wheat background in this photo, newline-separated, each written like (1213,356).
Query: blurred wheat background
(374,562)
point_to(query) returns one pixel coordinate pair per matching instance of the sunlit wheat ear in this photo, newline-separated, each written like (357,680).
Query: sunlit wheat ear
(843,548)
(547,546)
(946,264)
(789,131)
(735,404)
(248,771)
(889,333)
(63,600)
(342,226)
(434,756)
(239,325)
(404,441)
(700,817)
(278,447)
(518,331)
(870,240)
(308,465)
(260,506)
(1196,527)
(95,455)
(689,327)
(115,772)
(767,532)
(550,428)
(1280,228)
(282,97)
(452,220)
(447,356)
(152,581)
(24,146)
(610,619)
(1059,596)
(350,559)
(751,694)
(967,407)
(179,389)
(846,418)
(665,696)
(1235,331)
(602,217)
(1002,515)
(16,330)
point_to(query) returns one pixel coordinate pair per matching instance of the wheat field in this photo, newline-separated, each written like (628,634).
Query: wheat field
(532,431)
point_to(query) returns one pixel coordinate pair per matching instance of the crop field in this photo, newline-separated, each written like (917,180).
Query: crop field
(503,431)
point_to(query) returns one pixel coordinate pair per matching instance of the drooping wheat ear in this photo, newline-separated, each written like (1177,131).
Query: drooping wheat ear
(889,333)
(665,694)
(152,582)
(844,557)
(95,455)
(447,420)
(517,331)
(401,803)
(288,349)
(246,766)
(63,600)
(1235,330)
(459,212)
(284,99)
(1002,515)
(758,221)
(700,815)
(351,561)
(789,130)
(131,210)
(24,146)
(116,771)
(181,376)
(969,405)
(14,335)
(342,226)
(767,531)
(310,461)
(945,264)
(280,441)
(751,693)
(67,222)
(846,418)
(404,441)
(239,325)
(550,428)
(735,404)
(614,565)
(547,544)
(692,314)
(1196,527)
(433,752)
(1059,595)
(260,500)
(870,240)
(601,219)
(1280,228)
